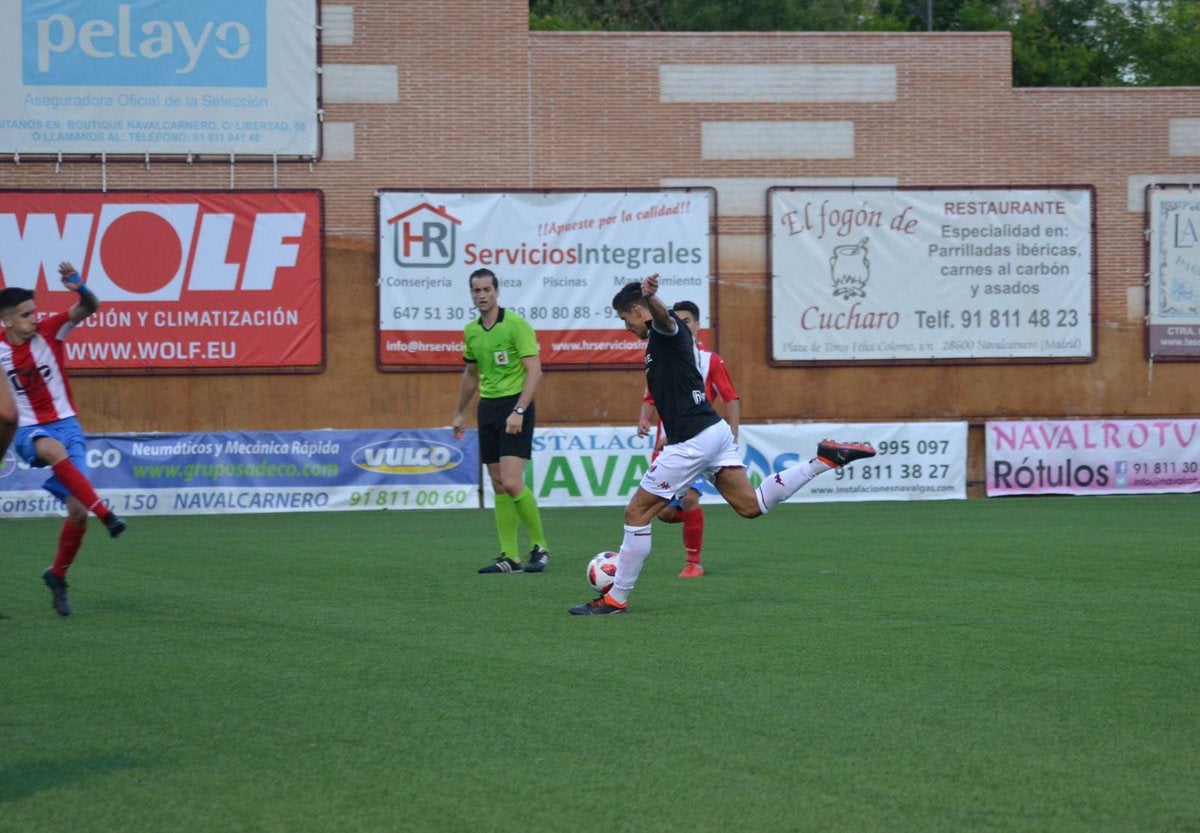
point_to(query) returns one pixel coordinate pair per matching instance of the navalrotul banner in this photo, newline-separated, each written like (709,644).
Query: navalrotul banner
(560,258)
(1092,456)
(889,274)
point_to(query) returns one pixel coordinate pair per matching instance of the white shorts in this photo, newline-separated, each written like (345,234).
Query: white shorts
(679,464)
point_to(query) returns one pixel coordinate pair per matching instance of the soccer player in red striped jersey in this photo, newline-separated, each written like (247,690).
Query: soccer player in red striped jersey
(49,434)
(719,387)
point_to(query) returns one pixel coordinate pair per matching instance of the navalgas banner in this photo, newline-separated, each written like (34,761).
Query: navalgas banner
(603,466)
(247,472)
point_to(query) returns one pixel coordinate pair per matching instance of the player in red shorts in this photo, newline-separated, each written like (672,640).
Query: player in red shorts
(49,434)
(718,386)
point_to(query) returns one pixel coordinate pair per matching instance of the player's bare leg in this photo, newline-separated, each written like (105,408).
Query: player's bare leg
(8,417)
(643,506)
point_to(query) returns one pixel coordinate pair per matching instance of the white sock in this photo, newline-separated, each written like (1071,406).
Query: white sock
(635,549)
(779,487)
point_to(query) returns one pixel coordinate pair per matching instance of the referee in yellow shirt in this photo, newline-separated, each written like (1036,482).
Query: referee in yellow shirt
(501,354)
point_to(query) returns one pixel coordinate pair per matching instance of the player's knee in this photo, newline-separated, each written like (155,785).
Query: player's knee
(49,450)
(77,515)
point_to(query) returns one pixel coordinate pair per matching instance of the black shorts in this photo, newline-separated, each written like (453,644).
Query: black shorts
(494,442)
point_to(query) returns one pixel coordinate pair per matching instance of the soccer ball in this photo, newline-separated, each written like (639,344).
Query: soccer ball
(601,571)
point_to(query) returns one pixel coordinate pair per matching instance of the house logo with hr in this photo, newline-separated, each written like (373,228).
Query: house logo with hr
(424,236)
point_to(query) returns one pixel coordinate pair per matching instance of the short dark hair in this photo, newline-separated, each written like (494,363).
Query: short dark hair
(687,306)
(486,273)
(14,296)
(629,296)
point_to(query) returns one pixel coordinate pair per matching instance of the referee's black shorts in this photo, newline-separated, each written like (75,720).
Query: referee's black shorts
(494,442)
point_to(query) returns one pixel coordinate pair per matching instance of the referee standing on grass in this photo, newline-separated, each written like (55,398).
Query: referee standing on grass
(501,354)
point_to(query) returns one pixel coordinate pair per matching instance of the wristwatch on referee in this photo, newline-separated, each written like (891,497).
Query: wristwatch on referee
(519,410)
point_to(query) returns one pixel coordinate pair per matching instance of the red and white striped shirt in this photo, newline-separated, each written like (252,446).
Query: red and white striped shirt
(36,371)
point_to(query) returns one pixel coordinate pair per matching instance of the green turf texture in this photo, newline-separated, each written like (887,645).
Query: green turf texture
(985,665)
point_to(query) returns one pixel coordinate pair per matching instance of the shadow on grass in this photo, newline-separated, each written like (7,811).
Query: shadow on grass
(22,780)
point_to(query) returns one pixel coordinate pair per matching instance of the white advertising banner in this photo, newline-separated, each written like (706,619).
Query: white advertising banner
(1174,315)
(603,466)
(871,275)
(1093,457)
(559,257)
(159,77)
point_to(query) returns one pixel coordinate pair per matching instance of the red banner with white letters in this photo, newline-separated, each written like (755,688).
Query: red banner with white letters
(187,280)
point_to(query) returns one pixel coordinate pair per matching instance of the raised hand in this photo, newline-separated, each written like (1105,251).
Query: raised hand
(650,285)
(70,277)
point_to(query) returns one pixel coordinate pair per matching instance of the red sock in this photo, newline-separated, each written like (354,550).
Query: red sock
(69,541)
(693,533)
(79,486)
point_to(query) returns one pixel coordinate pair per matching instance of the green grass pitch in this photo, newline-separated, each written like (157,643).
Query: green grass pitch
(987,665)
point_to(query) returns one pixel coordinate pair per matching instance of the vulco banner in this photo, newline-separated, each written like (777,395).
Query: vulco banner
(159,77)
(188,280)
(1093,457)
(560,259)
(603,466)
(293,471)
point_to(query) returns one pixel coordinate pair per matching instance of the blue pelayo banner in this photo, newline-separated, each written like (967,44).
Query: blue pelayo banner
(288,471)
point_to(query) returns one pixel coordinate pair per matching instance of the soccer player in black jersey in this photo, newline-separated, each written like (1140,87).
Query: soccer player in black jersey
(699,442)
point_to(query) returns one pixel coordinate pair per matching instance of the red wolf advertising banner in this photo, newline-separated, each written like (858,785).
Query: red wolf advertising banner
(187,280)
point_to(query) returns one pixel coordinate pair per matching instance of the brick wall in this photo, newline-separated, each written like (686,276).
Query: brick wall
(459,94)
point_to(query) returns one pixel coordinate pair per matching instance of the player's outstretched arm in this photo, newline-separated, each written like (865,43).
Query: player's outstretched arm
(88,302)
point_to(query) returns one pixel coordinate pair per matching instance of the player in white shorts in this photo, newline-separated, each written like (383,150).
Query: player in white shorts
(687,510)
(699,442)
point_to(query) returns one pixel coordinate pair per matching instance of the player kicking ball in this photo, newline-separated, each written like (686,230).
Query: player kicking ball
(700,443)
(49,435)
